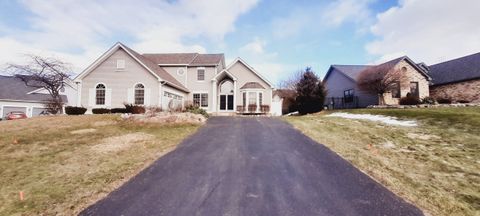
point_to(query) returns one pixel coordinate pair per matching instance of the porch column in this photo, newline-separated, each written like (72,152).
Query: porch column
(214,95)
(235,95)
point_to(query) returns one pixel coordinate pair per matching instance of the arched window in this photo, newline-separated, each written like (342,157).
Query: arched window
(139,94)
(100,94)
(226,87)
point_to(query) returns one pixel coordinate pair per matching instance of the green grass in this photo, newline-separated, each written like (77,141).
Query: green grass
(434,165)
(61,173)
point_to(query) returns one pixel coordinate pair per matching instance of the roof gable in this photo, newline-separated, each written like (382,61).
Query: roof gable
(151,67)
(239,60)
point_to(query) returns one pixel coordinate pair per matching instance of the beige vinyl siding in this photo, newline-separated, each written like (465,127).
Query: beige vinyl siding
(120,82)
(172,70)
(204,86)
(244,75)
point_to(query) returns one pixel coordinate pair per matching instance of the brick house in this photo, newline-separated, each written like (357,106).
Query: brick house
(457,79)
(343,92)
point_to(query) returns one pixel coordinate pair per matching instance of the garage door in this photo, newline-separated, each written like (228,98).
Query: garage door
(7,109)
(37,111)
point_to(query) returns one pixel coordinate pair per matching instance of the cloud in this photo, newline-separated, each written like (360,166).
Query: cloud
(318,17)
(343,11)
(428,30)
(74,28)
(256,46)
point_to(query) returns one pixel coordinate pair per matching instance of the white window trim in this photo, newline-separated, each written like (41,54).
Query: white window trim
(258,97)
(208,97)
(144,89)
(204,74)
(184,71)
(100,105)
(119,63)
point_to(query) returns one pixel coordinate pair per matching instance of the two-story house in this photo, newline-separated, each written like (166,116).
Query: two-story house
(169,81)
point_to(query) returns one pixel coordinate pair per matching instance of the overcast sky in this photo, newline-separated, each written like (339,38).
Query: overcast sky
(277,37)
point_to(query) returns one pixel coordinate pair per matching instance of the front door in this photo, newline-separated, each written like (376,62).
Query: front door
(226,102)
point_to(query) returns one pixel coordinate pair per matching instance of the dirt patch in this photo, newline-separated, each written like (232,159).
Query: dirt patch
(83,131)
(104,123)
(166,117)
(119,143)
(422,136)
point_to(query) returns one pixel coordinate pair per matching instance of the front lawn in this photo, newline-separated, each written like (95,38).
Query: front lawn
(435,165)
(62,164)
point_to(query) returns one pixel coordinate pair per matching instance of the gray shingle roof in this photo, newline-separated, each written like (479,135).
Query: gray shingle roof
(158,70)
(12,88)
(190,59)
(171,58)
(252,85)
(352,71)
(456,70)
(206,59)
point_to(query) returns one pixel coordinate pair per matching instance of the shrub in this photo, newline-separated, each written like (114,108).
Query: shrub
(73,110)
(311,93)
(100,111)
(409,100)
(134,109)
(429,100)
(118,110)
(444,101)
(196,110)
(463,101)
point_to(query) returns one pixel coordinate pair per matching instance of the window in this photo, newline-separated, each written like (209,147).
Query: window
(200,100)
(120,64)
(414,89)
(100,94)
(404,69)
(395,90)
(171,95)
(252,98)
(201,74)
(348,95)
(139,94)
(180,71)
(260,98)
(244,99)
(204,102)
(226,87)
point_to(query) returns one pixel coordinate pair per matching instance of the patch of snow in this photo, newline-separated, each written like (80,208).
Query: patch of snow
(378,118)
(389,144)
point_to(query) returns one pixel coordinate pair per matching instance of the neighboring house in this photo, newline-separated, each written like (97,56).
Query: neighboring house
(457,79)
(16,96)
(122,75)
(343,92)
(285,99)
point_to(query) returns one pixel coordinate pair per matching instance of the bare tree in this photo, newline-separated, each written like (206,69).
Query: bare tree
(381,79)
(291,82)
(43,72)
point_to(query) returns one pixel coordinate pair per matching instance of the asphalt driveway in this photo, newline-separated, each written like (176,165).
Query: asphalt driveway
(251,166)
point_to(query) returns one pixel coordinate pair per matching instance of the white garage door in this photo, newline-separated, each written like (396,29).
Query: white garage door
(7,109)
(37,111)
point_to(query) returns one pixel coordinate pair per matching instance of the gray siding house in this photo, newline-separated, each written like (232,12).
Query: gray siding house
(170,80)
(343,92)
(16,96)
